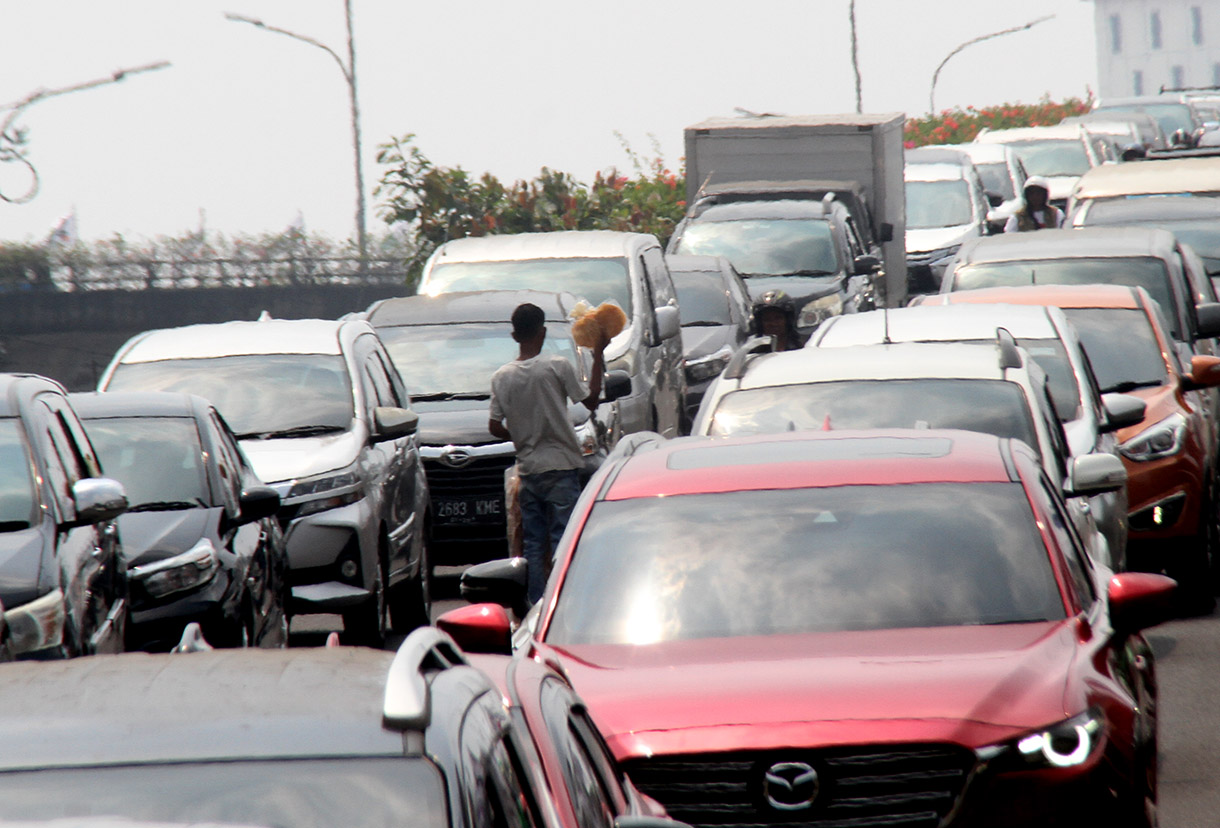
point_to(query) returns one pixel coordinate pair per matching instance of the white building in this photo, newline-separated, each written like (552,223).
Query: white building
(1144,45)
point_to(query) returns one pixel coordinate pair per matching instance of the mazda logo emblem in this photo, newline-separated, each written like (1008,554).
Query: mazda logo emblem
(790,786)
(454,457)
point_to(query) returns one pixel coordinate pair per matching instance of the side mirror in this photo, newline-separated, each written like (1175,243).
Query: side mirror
(1095,474)
(616,384)
(1204,373)
(98,499)
(502,582)
(1122,410)
(480,628)
(258,502)
(391,423)
(669,322)
(1139,600)
(866,265)
(885,233)
(1208,315)
(994,199)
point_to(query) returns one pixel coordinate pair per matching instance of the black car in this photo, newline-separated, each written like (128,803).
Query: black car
(63,581)
(715,306)
(200,538)
(805,248)
(318,737)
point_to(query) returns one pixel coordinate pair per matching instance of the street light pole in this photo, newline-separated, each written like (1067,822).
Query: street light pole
(980,39)
(349,75)
(855,56)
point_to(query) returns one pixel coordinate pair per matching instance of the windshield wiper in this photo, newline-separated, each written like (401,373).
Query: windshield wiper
(441,396)
(13,525)
(296,431)
(703,323)
(168,505)
(1130,385)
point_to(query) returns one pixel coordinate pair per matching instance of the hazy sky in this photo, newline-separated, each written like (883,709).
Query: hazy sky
(252,127)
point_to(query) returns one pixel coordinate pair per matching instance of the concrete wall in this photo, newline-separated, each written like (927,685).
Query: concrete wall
(72,336)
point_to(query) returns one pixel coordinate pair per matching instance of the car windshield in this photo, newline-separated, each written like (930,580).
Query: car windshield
(702,297)
(1122,347)
(159,460)
(1171,116)
(751,563)
(255,393)
(996,179)
(1148,273)
(990,406)
(765,247)
(937,204)
(303,793)
(458,360)
(1051,356)
(18,501)
(1053,156)
(594,280)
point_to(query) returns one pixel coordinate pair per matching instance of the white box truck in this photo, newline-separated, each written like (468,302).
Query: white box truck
(866,149)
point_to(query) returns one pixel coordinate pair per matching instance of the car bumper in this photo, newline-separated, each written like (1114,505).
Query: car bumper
(318,546)
(157,625)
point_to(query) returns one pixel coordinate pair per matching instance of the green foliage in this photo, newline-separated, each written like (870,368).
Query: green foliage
(957,126)
(24,266)
(442,203)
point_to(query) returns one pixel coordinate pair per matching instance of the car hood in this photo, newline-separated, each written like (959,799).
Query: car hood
(1160,401)
(927,239)
(969,685)
(700,341)
(20,562)
(152,536)
(455,423)
(280,460)
(800,288)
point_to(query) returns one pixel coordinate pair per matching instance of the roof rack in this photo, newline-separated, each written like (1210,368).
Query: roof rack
(1010,357)
(736,368)
(406,705)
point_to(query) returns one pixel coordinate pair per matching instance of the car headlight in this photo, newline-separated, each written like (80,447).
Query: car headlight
(36,625)
(193,568)
(706,367)
(1064,745)
(586,437)
(327,491)
(1164,439)
(817,310)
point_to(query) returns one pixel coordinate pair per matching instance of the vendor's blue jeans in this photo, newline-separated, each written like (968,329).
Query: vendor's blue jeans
(547,499)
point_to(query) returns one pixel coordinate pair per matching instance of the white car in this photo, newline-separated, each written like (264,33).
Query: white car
(325,420)
(1060,154)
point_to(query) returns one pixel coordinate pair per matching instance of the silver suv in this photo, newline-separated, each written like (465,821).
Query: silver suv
(325,420)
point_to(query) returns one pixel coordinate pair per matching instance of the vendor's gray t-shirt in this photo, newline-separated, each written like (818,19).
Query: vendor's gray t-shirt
(531,397)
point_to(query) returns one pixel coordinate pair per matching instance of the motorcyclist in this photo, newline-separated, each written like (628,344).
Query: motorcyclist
(774,314)
(1037,213)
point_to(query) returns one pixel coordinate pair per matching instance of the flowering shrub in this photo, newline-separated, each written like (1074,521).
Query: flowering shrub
(956,126)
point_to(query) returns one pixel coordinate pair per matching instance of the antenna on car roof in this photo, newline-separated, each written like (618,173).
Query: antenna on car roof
(885,322)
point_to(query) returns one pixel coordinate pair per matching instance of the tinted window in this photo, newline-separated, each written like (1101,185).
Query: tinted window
(256,394)
(1053,157)
(595,280)
(17,494)
(158,460)
(590,799)
(990,406)
(460,359)
(937,204)
(1051,356)
(996,179)
(1121,346)
(1171,116)
(702,298)
(1150,274)
(326,793)
(765,247)
(807,560)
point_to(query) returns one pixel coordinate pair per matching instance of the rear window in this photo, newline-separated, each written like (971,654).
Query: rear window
(807,560)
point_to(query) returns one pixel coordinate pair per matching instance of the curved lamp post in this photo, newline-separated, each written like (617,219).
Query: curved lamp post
(980,39)
(349,75)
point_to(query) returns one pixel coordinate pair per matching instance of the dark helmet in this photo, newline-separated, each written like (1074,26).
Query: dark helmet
(774,300)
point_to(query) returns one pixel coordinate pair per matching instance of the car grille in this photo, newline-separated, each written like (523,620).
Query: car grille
(480,476)
(912,786)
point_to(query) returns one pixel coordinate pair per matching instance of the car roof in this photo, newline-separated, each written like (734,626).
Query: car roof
(94,404)
(980,153)
(563,244)
(16,388)
(901,360)
(1061,296)
(1169,175)
(270,336)
(809,459)
(467,307)
(250,703)
(767,209)
(1058,132)
(933,172)
(939,154)
(937,323)
(1085,242)
(1156,208)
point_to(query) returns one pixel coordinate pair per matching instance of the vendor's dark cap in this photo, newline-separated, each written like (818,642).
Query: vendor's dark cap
(528,319)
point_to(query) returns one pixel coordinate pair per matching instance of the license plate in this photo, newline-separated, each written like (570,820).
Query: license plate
(468,509)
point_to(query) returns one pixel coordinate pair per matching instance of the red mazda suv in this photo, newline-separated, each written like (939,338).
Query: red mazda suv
(850,628)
